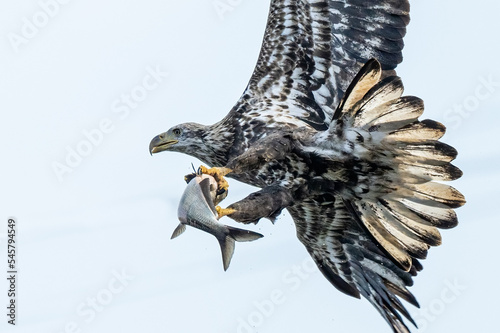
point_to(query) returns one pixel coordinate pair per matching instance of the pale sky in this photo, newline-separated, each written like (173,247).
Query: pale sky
(84,91)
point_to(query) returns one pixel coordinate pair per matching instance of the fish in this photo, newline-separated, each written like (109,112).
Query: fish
(197,209)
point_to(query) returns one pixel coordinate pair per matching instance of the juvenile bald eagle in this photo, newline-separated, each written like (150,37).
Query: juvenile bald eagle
(341,150)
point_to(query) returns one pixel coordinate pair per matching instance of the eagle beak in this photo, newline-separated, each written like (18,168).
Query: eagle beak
(161,142)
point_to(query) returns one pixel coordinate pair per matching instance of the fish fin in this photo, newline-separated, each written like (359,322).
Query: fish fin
(178,231)
(227,243)
(205,189)
(227,248)
(242,235)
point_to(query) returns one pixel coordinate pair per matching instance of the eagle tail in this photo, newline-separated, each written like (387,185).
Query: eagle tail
(396,197)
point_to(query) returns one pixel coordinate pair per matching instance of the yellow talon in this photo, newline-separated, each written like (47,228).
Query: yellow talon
(224,211)
(218,174)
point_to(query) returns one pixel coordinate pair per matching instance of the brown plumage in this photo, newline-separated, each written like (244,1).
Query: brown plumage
(338,147)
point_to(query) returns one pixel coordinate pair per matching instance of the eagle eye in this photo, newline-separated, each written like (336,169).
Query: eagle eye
(176,131)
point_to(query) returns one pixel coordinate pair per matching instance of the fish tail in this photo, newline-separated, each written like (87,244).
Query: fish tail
(227,248)
(227,243)
(242,235)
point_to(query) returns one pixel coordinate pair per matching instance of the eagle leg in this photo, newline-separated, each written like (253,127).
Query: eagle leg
(221,212)
(266,203)
(274,147)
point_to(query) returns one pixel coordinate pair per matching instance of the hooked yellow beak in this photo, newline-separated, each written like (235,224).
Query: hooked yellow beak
(161,142)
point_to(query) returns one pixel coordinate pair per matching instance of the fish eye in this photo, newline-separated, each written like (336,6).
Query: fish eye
(176,131)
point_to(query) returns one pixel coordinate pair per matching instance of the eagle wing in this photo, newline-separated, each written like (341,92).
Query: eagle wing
(368,207)
(351,260)
(311,51)
(384,207)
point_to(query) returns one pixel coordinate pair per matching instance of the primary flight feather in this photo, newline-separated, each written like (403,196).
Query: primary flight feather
(324,130)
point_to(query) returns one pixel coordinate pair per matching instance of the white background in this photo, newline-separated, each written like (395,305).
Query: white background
(115,211)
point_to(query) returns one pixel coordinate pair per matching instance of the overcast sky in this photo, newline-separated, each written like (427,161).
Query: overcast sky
(85,89)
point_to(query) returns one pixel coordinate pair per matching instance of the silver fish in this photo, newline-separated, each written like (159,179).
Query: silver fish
(197,209)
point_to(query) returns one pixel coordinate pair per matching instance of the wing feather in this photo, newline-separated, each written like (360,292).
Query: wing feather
(311,51)
(351,259)
(387,205)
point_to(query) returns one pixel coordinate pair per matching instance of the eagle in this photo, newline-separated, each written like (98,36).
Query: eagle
(324,131)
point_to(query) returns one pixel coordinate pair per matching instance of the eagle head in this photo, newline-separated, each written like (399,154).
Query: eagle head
(192,139)
(185,138)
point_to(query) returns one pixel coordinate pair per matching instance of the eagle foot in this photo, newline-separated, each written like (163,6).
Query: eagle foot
(224,211)
(218,174)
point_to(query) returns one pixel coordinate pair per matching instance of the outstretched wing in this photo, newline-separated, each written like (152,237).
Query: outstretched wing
(351,260)
(384,208)
(311,51)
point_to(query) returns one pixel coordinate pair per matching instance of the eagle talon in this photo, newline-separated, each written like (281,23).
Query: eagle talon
(224,211)
(218,174)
